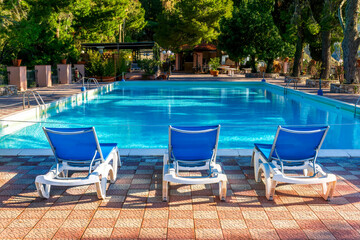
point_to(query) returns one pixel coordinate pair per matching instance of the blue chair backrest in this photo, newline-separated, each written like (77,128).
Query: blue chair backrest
(193,143)
(73,143)
(297,143)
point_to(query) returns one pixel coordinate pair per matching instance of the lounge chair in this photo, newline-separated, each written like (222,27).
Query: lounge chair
(193,149)
(294,148)
(78,149)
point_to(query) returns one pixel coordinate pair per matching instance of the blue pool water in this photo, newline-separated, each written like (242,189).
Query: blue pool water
(137,115)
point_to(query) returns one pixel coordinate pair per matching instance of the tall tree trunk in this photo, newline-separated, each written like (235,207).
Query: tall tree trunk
(350,44)
(298,57)
(252,64)
(269,65)
(325,54)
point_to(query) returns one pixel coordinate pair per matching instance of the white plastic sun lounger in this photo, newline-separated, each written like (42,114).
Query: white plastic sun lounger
(294,148)
(193,149)
(78,149)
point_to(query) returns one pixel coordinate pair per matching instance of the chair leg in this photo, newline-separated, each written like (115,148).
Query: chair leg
(222,190)
(252,158)
(43,190)
(256,164)
(165,191)
(328,190)
(101,187)
(270,189)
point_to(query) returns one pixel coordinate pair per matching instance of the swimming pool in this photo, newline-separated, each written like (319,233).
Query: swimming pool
(137,115)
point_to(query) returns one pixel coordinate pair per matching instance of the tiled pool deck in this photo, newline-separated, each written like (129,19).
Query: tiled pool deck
(133,208)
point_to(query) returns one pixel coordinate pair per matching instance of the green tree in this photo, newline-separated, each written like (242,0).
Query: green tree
(191,22)
(251,32)
(296,23)
(44,31)
(351,41)
(325,13)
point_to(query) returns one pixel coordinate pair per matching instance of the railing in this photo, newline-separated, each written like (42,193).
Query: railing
(288,83)
(94,80)
(36,96)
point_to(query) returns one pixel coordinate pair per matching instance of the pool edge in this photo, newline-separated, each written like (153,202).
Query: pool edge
(333,153)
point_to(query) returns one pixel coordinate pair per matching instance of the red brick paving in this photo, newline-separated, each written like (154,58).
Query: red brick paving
(297,212)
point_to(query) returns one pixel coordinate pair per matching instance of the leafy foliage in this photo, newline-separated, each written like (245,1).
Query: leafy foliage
(149,65)
(214,63)
(45,31)
(251,32)
(191,22)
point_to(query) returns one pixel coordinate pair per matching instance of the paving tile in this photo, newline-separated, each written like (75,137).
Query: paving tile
(23,223)
(285,224)
(181,223)
(207,223)
(154,223)
(69,233)
(205,215)
(289,233)
(153,233)
(260,233)
(15,233)
(233,224)
(318,234)
(91,233)
(180,233)
(181,214)
(50,223)
(128,223)
(236,234)
(125,233)
(41,233)
(258,224)
(203,233)
(156,214)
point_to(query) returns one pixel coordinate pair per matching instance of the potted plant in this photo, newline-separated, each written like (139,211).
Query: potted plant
(15,60)
(214,63)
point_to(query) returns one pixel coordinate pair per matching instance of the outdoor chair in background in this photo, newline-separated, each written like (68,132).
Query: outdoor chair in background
(294,148)
(193,149)
(78,149)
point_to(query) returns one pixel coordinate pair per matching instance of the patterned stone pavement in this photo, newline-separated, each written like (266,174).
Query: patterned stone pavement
(133,208)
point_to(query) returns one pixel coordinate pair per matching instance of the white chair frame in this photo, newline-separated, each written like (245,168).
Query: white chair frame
(274,173)
(171,169)
(99,171)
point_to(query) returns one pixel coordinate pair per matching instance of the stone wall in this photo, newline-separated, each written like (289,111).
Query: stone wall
(345,88)
(260,75)
(314,83)
(8,90)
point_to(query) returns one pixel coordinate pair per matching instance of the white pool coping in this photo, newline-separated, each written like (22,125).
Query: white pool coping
(124,152)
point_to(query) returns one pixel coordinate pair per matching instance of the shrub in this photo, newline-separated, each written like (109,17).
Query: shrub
(214,63)
(150,66)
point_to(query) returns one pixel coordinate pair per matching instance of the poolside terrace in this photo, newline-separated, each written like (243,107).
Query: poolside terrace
(133,208)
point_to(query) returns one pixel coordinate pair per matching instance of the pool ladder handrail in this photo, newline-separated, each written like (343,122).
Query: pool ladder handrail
(288,83)
(36,95)
(357,102)
(94,80)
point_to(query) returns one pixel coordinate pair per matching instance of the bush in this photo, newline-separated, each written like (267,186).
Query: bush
(150,66)
(97,66)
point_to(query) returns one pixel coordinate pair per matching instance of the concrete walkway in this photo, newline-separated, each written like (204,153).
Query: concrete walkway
(12,104)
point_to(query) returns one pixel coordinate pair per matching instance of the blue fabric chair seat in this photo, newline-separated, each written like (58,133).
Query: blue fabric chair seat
(265,150)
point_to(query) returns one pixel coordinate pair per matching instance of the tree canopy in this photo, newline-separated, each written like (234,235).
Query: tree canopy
(251,32)
(191,22)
